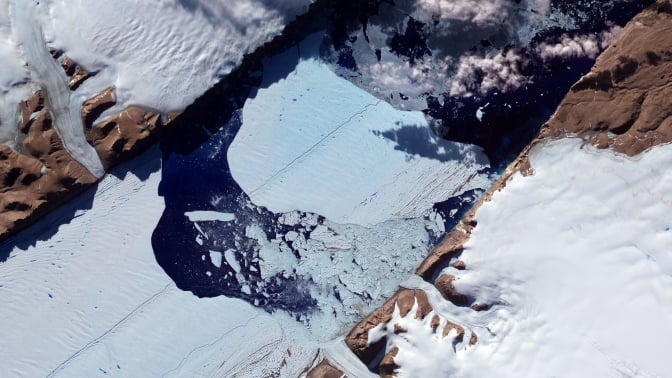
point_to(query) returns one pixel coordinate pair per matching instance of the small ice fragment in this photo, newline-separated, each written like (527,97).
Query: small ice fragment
(216,258)
(209,216)
(479,114)
(230,256)
(291,236)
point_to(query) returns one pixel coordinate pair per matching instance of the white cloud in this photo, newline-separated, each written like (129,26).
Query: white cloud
(425,76)
(479,12)
(585,45)
(476,75)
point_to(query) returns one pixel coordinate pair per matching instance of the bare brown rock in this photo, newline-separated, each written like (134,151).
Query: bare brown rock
(459,265)
(473,339)
(625,102)
(96,105)
(452,326)
(358,338)
(480,307)
(387,366)
(445,286)
(75,72)
(41,177)
(40,174)
(325,370)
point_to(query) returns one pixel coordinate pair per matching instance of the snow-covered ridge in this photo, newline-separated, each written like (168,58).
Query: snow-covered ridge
(576,272)
(158,55)
(46,71)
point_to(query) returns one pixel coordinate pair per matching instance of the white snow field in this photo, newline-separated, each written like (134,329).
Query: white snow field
(313,141)
(91,301)
(160,55)
(576,260)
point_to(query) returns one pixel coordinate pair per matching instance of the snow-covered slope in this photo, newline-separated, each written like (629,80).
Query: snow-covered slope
(164,54)
(91,300)
(158,55)
(575,262)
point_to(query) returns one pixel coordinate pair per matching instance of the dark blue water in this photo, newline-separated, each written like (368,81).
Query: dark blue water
(196,175)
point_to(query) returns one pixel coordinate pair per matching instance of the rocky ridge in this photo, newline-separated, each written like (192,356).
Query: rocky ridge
(39,174)
(625,102)
(622,104)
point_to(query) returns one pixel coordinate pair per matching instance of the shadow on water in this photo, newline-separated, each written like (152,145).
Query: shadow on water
(196,175)
(47,227)
(421,141)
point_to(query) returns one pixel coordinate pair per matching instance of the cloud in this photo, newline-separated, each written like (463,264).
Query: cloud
(425,76)
(480,75)
(576,46)
(479,12)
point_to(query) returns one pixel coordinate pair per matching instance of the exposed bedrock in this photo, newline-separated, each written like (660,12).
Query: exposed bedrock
(39,174)
(624,103)
(325,370)
(404,301)
(42,175)
(113,139)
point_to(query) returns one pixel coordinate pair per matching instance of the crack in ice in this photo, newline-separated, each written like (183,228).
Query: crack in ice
(311,148)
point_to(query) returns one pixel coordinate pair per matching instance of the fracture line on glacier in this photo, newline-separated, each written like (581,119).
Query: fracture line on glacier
(309,150)
(118,324)
(54,84)
(185,358)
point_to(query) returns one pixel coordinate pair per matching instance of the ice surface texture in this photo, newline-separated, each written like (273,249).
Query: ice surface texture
(337,198)
(91,299)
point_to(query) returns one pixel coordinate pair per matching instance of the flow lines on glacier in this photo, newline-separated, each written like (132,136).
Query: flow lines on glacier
(311,148)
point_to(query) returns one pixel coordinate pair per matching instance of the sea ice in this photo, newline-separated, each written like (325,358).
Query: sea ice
(313,141)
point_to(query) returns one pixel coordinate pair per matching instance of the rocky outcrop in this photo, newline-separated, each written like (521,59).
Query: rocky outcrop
(625,102)
(39,174)
(121,136)
(42,175)
(358,339)
(325,370)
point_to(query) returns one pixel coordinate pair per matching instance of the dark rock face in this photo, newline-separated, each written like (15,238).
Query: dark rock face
(325,370)
(374,354)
